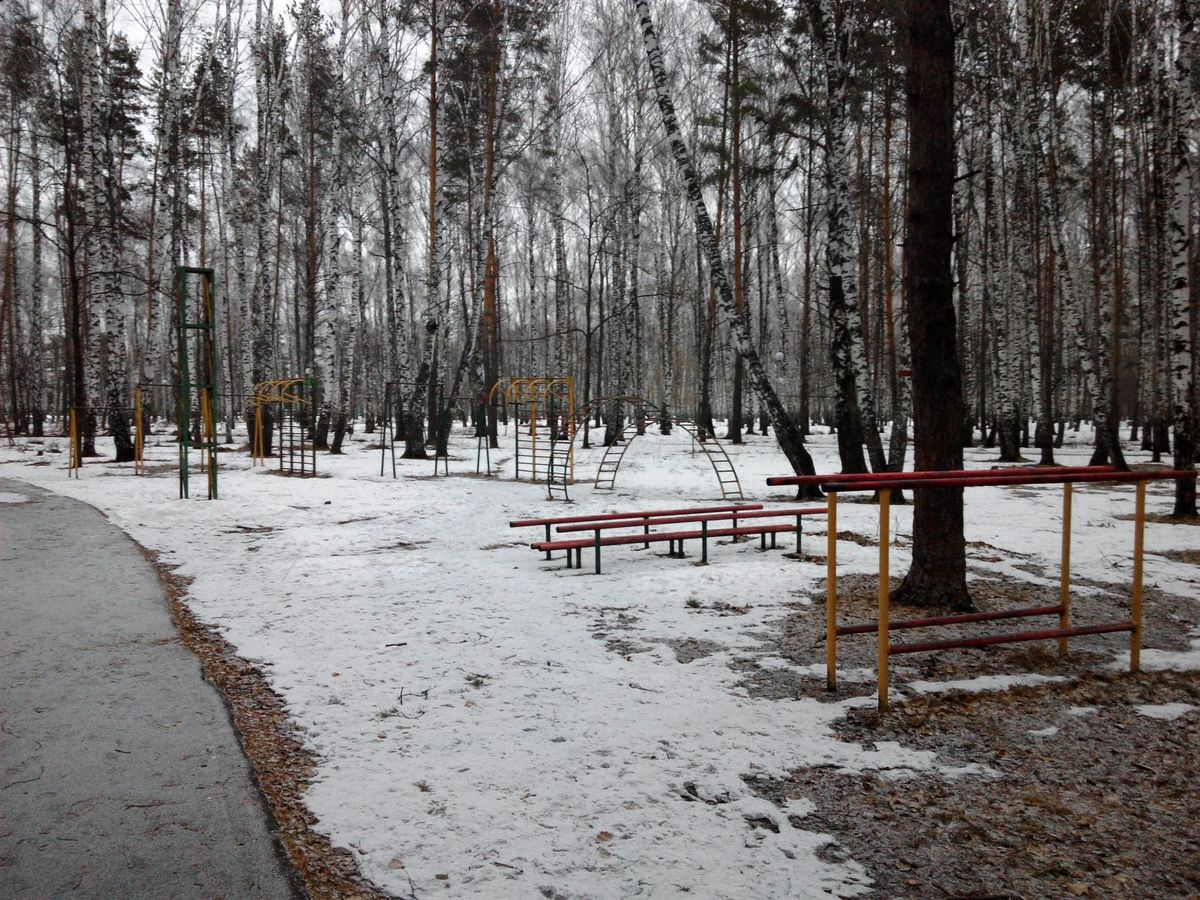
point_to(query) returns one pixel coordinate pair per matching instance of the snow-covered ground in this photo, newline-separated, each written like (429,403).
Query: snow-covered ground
(475,734)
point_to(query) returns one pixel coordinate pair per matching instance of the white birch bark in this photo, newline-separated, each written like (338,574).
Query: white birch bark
(89,178)
(788,435)
(849,350)
(37,324)
(1180,358)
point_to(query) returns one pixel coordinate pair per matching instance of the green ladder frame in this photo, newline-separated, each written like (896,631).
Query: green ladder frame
(205,391)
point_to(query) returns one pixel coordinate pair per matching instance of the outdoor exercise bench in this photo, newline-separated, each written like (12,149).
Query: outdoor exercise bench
(675,539)
(609,517)
(885,482)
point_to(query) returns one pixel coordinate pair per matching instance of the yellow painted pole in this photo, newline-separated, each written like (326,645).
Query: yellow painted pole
(257,450)
(1139,542)
(533,409)
(885,505)
(831,593)
(210,440)
(1064,579)
(73,455)
(203,428)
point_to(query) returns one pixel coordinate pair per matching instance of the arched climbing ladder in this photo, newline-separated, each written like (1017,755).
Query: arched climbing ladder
(610,462)
(727,477)
(558,477)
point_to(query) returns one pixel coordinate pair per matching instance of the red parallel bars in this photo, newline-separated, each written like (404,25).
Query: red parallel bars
(885,482)
(1011,472)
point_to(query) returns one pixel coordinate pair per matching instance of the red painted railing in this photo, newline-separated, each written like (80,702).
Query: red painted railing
(885,482)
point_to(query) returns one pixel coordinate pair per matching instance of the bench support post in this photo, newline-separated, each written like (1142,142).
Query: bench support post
(799,537)
(597,552)
(646,530)
(548,541)
(704,542)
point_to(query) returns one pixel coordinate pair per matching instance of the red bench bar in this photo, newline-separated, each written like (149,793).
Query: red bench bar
(633,522)
(605,517)
(886,482)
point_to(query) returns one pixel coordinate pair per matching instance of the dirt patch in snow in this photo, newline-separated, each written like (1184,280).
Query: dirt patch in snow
(1101,804)
(690,649)
(1192,557)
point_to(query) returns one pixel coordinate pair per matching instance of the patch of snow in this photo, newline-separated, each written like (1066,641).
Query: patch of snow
(799,807)
(483,713)
(778,663)
(982,683)
(1049,731)
(10,497)
(1166,711)
(1163,660)
(1081,711)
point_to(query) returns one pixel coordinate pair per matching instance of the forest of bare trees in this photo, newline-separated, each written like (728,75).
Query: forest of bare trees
(440,194)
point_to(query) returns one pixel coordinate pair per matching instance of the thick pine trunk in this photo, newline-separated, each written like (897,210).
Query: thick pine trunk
(938,573)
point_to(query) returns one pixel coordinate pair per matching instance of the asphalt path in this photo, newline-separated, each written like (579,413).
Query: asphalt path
(121,773)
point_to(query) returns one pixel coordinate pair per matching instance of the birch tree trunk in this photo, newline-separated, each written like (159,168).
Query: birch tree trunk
(1181,362)
(786,432)
(856,405)
(37,325)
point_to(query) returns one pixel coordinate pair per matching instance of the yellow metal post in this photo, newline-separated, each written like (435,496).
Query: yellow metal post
(257,448)
(1064,578)
(208,423)
(533,410)
(831,593)
(73,454)
(1139,535)
(885,504)
(139,437)
(571,428)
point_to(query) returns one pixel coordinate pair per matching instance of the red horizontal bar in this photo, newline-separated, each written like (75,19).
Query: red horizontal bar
(706,517)
(872,627)
(604,517)
(1007,472)
(874,484)
(1014,638)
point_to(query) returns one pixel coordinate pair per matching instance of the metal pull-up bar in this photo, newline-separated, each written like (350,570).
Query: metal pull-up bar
(886,482)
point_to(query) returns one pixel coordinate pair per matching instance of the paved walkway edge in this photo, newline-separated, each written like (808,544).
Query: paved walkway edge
(266,735)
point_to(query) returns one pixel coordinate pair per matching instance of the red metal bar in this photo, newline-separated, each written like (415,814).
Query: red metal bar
(872,627)
(604,517)
(872,483)
(1013,638)
(706,517)
(1008,472)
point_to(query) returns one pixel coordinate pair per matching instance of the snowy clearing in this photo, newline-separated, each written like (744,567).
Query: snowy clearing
(501,726)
